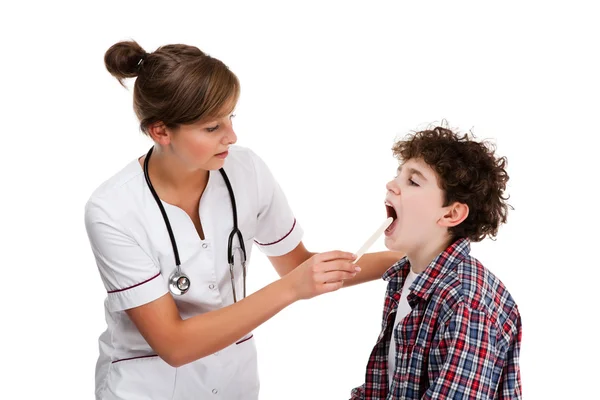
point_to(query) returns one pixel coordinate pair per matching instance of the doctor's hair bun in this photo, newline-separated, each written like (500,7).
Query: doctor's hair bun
(176,84)
(124,59)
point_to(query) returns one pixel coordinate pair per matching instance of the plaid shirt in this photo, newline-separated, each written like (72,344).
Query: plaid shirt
(460,341)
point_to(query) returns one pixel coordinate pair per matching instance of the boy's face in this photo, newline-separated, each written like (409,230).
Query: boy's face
(415,201)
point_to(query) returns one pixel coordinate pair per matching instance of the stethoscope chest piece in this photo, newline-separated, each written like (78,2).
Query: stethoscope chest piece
(179,283)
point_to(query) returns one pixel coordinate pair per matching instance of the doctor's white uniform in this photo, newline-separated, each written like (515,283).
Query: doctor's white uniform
(134,256)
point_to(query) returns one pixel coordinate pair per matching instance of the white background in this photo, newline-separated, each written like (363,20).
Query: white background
(326,88)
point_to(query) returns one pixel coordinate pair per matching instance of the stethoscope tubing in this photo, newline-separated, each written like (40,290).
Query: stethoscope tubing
(175,277)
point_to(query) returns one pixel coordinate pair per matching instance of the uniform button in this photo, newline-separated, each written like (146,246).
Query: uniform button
(215,391)
(204,245)
(211,286)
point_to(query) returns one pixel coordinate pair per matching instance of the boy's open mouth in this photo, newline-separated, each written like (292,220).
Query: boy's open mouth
(391,212)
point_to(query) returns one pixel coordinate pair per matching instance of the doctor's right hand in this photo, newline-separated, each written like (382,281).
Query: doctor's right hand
(322,273)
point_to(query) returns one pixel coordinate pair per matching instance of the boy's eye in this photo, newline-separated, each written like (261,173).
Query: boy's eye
(412,183)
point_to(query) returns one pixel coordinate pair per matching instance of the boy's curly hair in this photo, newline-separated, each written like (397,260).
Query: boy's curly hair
(468,172)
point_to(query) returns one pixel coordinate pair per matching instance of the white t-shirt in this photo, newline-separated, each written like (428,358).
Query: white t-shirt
(134,256)
(403,310)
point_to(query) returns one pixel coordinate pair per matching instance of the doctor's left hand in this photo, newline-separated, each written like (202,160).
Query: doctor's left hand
(322,273)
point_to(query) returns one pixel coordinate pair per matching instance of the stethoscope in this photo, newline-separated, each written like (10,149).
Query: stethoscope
(179,283)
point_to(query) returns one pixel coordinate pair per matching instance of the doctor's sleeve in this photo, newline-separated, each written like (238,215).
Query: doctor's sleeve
(277,231)
(130,277)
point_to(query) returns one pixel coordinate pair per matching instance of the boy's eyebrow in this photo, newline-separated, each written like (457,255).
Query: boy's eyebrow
(413,171)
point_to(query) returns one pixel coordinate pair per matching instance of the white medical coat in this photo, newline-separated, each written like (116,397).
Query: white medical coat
(134,256)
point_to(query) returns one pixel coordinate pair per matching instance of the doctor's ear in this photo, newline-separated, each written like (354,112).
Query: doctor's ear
(454,214)
(159,133)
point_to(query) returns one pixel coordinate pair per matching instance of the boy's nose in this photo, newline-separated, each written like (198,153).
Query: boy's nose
(393,187)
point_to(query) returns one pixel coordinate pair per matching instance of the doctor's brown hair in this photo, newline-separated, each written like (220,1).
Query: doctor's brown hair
(468,172)
(176,84)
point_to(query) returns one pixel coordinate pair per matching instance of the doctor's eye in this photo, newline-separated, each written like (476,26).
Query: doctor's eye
(212,128)
(232,116)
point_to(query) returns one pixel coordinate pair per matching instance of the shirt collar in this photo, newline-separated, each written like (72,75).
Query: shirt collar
(426,281)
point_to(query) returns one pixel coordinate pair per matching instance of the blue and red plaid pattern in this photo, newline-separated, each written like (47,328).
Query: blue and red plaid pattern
(460,341)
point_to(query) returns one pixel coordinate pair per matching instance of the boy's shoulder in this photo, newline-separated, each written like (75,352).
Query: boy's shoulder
(471,284)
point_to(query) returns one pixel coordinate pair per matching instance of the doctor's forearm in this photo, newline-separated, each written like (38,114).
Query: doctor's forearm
(373,266)
(208,333)
(180,341)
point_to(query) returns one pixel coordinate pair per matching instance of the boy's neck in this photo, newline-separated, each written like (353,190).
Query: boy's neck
(421,257)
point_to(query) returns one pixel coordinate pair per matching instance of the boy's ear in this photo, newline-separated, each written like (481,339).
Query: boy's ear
(454,215)
(159,133)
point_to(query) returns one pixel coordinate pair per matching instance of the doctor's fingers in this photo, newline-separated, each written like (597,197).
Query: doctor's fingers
(333,276)
(333,255)
(336,265)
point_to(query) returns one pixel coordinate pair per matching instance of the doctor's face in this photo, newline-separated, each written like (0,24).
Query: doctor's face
(204,144)
(415,201)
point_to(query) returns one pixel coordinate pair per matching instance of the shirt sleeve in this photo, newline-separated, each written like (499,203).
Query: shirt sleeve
(467,355)
(509,386)
(277,231)
(129,275)
(358,393)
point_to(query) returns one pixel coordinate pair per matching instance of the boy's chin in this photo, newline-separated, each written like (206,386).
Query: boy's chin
(394,243)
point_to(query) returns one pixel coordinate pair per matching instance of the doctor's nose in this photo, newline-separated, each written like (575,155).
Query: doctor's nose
(230,137)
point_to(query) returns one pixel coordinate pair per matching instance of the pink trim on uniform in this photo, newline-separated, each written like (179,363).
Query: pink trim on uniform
(286,235)
(134,358)
(243,340)
(131,287)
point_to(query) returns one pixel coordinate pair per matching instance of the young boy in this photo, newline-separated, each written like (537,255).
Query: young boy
(450,330)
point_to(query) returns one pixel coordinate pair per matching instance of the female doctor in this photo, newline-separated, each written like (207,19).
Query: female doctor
(172,233)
